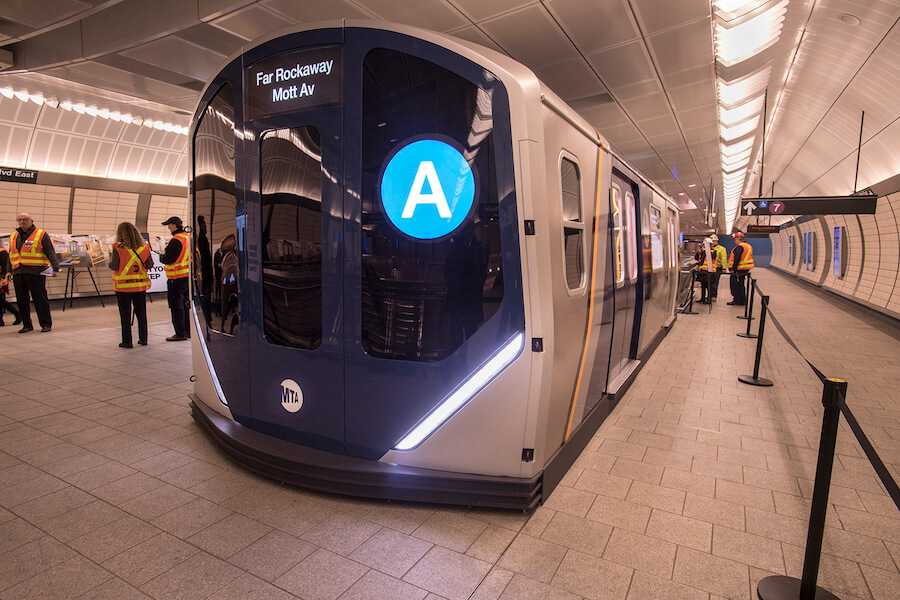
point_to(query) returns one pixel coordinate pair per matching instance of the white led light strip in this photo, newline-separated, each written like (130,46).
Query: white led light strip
(92,111)
(463,394)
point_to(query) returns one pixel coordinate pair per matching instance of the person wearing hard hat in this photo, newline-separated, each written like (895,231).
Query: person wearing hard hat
(740,263)
(711,267)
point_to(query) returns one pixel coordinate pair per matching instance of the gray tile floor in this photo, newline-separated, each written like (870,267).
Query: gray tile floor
(695,487)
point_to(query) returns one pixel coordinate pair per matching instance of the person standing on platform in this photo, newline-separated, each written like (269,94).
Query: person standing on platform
(715,271)
(700,257)
(740,263)
(130,258)
(5,277)
(33,257)
(177,263)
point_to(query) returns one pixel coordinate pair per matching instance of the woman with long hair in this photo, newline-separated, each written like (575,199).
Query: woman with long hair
(129,260)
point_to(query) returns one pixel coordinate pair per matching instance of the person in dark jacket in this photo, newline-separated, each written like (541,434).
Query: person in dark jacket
(177,262)
(5,278)
(33,257)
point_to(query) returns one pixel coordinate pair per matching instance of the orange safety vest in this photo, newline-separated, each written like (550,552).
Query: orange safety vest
(703,266)
(181,267)
(746,258)
(32,254)
(131,276)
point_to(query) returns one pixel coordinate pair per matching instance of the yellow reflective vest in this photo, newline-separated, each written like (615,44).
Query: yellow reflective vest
(32,254)
(181,267)
(131,276)
(746,262)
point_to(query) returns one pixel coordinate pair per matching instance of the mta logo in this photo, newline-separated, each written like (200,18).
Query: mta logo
(427,189)
(291,396)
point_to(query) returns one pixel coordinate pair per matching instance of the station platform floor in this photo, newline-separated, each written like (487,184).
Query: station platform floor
(695,487)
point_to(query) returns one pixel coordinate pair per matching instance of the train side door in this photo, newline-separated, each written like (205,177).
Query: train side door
(625,271)
(297,369)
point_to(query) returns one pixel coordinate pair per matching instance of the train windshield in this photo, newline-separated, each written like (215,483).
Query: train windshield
(430,251)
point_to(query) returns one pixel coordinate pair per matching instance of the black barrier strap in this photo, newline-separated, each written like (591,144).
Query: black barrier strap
(880,469)
(788,339)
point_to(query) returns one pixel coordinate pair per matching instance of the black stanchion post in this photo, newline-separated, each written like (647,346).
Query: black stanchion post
(779,587)
(748,298)
(690,308)
(749,315)
(755,379)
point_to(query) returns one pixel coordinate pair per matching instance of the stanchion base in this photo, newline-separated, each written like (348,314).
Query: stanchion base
(779,587)
(745,318)
(752,336)
(751,380)
(689,312)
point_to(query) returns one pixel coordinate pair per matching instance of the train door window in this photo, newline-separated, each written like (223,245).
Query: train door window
(573,223)
(291,184)
(631,226)
(215,264)
(673,244)
(615,195)
(426,286)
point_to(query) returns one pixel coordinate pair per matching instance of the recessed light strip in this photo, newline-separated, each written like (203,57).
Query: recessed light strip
(93,111)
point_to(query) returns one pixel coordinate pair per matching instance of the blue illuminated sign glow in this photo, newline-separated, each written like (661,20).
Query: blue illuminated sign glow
(427,189)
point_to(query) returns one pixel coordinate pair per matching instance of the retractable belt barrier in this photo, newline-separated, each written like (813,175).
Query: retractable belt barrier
(834,393)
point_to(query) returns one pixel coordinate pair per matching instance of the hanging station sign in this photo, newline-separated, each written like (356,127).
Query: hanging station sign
(817,205)
(293,82)
(18,175)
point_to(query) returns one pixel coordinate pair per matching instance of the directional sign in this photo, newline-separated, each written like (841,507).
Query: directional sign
(817,205)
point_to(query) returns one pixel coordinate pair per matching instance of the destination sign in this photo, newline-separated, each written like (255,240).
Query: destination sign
(18,175)
(763,229)
(293,82)
(814,205)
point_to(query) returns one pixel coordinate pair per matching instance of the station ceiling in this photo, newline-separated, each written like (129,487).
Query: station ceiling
(645,73)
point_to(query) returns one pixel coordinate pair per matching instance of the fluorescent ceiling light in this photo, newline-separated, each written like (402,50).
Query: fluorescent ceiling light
(739,130)
(733,116)
(736,43)
(463,394)
(21,95)
(733,166)
(730,150)
(37,99)
(52,102)
(7,92)
(730,6)
(737,91)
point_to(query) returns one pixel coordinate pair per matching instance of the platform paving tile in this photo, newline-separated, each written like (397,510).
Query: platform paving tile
(272,555)
(695,487)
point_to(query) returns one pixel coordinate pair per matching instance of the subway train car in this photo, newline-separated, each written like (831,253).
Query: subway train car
(418,275)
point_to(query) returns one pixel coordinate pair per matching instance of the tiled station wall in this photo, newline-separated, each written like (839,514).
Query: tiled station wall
(92,211)
(873,255)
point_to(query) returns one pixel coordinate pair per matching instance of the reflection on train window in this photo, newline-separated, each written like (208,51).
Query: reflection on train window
(215,260)
(573,223)
(631,226)
(615,196)
(421,299)
(291,184)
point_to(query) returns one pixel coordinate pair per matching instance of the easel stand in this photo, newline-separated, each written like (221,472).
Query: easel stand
(69,294)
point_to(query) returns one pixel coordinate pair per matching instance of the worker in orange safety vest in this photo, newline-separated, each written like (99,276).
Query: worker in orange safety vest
(33,258)
(740,263)
(177,263)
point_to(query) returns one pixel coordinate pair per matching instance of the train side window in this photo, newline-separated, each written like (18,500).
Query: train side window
(615,196)
(215,264)
(632,238)
(291,184)
(573,223)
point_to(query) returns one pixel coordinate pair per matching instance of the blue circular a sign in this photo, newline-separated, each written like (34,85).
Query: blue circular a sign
(427,189)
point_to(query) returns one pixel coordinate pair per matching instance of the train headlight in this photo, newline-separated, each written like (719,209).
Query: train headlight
(462,394)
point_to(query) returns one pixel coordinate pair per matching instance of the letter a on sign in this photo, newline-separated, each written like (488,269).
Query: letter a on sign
(427,189)
(416,197)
